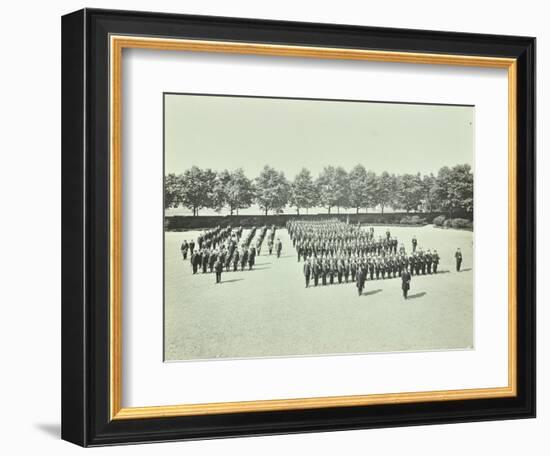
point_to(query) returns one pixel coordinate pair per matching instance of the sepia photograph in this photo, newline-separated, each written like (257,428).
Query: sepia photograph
(314,227)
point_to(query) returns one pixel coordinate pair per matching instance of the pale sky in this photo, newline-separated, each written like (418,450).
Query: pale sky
(222,132)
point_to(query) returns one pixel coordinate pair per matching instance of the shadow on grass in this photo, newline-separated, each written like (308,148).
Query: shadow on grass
(232,280)
(465,270)
(417,295)
(368,293)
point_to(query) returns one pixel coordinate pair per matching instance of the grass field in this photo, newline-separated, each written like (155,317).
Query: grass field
(269,312)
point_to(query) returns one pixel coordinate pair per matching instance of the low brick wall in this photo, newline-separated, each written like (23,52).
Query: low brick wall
(187,222)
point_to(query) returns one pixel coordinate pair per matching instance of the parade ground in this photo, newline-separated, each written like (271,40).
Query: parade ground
(268,311)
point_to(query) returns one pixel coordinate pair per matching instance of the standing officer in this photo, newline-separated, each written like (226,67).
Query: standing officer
(244,258)
(324,271)
(218,267)
(429,261)
(307,271)
(458,257)
(414,243)
(184,248)
(435,259)
(251,258)
(361,277)
(196,261)
(205,257)
(405,282)
(279,247)
(270,244)
(316,270)
(235,260)
(191,246)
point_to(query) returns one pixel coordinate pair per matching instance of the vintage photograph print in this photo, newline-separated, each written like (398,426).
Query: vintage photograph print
(307,227)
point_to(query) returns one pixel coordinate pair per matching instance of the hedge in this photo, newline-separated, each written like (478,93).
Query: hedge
(187,222)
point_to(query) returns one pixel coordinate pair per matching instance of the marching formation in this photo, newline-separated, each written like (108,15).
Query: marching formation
(334,251)
(217,249)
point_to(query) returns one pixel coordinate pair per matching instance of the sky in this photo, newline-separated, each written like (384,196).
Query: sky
(226,132)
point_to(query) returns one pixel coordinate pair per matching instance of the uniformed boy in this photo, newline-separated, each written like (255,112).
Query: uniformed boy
(458,258)
(307,271)
(405,282)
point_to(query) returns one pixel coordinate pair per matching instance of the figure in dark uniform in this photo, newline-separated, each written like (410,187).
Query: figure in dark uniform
(235,260)
(184,248)
(429,261)
(191,246)
(244,259)
(361,277)
(435,259)
(346,271)
(307,272)
(414,243)
(205,257)
(371,267)
(353,270)
(270,245)
(331,272)
(196,261)
(340,271)
(251,258)
(316,271)
(405,282)
(278,247)
(458,257)
(324,271)
(218,267)
(212,260)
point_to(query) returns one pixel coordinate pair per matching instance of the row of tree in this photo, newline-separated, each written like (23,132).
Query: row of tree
(335,188)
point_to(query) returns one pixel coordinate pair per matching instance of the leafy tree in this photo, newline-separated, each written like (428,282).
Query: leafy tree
(172,191)
(358,189)
(428,196)
(409,192)
(239,191)
(327,187)
(371,182)
(384,188)
(454,190)
(272,190)
(196,188)
(342,188)
(303,192)
(219,192)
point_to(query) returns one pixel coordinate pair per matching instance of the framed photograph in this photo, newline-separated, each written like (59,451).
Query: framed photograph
(277,227)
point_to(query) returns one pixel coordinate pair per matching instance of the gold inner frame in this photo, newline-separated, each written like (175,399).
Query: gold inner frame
(117,44)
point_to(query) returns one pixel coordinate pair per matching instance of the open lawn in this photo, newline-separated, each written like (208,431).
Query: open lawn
(269,312)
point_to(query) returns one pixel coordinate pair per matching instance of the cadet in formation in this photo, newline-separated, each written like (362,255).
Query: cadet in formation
(334,251)
(406,282)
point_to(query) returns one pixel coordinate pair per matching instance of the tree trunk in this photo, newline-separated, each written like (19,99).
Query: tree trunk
(357,210)
(266,211)
(382,208)
(329,209)
(298,211)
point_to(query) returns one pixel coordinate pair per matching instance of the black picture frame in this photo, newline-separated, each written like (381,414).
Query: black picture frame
(85,228)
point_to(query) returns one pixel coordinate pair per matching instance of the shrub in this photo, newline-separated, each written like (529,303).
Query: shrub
(447,223)
(461,223)
(438,221)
